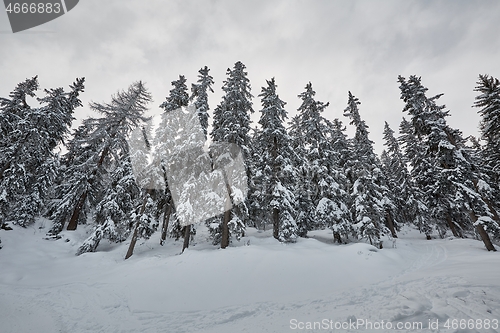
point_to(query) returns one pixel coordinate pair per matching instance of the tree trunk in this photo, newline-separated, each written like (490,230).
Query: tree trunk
(337,238)
(275,211)
(187,236)
(227,215)
(166,219)
(276,223)
(225,229)
(452,225)
(390,224)
(73,222)
(131,247)
(484,235)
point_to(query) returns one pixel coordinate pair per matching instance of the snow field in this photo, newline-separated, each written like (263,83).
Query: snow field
(256,285)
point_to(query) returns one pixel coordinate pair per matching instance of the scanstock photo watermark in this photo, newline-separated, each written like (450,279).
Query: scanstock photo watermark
(24,15)
(355,324)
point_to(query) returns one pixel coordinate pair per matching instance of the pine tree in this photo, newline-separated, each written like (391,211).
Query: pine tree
(177,99)
(341,153)
(370,200)
(28,166)
(97,160)
(397,176)
(456,190)
(162,203)
(275,172)
(321,193)
(178,96)
(489,103)
(231,124)
(199,93)
(416,209)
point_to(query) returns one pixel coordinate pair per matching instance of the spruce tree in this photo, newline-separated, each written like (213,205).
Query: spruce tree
(199,94)
(28,162)
(397,176)
(417,211)
(231,124)
(369,191)
(489,103)
(275,172)
(321,193)
(455,187)
(98,176)
(177,99)
(161,202)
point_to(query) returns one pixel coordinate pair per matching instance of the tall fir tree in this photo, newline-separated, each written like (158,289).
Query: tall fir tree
(199,94)
(397,176)
(456,190)
(369,191)
(28,162)
(98,176)
(231,124)
(417,211)
(488,101)
(162,203)
(322,199)
(274,168)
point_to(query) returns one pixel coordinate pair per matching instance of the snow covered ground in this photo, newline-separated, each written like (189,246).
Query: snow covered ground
(256,285)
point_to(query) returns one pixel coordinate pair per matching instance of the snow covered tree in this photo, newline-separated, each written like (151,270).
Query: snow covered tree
(489,102)
(321,192)
(456,190)
(162,203)
(28,162)
(231,124)
(177,97)
(416,209)
(199,93)
(275,173)
(99,175)
(176,100)
(370,200)
(340,160)
(397,176)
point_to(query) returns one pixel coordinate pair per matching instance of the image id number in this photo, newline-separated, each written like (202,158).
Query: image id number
(34,8)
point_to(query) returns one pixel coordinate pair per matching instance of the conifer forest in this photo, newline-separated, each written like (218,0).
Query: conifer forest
(302,173)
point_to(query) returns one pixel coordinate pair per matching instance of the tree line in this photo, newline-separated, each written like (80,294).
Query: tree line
(302,173)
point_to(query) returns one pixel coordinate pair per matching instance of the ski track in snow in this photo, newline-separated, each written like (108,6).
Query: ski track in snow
(418,292)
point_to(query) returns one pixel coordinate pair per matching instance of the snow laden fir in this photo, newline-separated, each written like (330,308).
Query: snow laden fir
(301,174)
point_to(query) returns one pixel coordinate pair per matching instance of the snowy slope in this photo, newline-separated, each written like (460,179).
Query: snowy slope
(257,285)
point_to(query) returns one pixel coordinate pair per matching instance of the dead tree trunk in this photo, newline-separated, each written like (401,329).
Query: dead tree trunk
(484,235)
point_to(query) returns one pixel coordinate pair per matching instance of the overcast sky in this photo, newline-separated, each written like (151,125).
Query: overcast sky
(340,46)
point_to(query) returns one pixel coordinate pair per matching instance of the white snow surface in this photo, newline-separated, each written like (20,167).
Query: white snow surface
(255,285)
